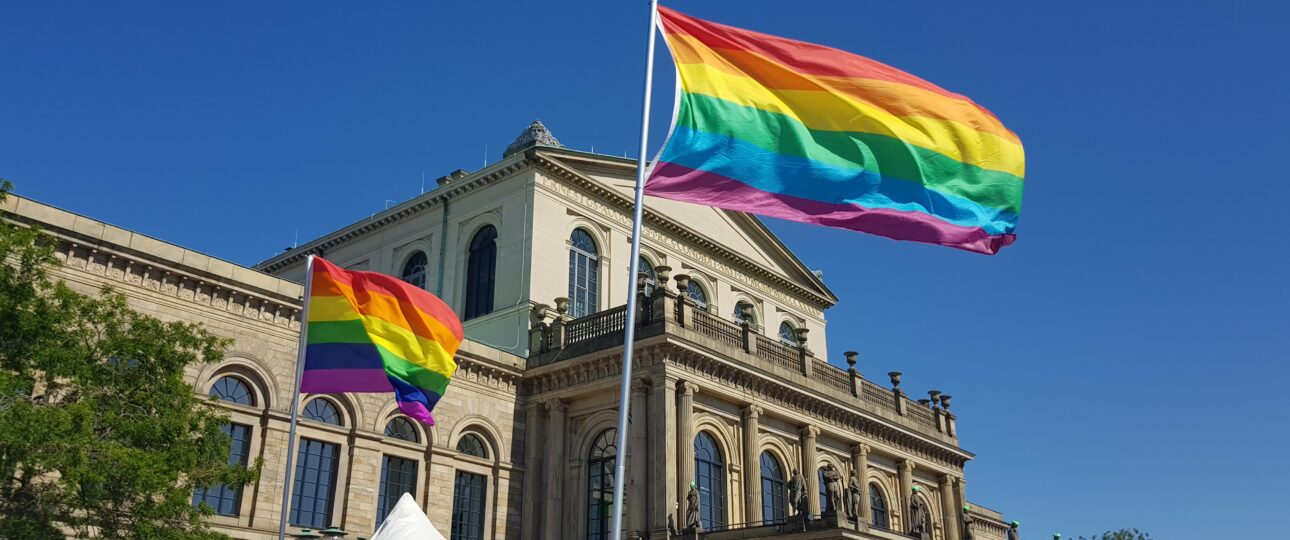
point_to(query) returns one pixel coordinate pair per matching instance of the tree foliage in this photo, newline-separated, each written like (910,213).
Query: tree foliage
(99,433)
(1122,534)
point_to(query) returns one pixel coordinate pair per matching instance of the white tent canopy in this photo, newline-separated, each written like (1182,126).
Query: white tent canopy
(407,522)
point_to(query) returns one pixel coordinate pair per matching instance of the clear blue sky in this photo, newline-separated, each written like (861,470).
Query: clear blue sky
(1123,364)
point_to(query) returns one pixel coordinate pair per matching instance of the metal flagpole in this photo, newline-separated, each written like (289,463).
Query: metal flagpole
(295,397)
(629,331)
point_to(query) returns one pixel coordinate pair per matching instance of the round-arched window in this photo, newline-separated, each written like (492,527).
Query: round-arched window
(322,410)
(481,273)
(414,270)
(740,316)
(647,275)
(600,484)
(710,479)
(878,507)
(584,274)
(232,390)
(471,445)
(788,334)
(402,429)
(772,488)
(696,293)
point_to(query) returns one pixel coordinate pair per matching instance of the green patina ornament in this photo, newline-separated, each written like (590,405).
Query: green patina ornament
(966,507)
(917,489)
(1016,524)
(692,484)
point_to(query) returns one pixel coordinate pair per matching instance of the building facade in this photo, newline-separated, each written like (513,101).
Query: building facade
(731,388)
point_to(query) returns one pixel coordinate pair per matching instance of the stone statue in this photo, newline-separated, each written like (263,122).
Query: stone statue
(833,486)
(968,520)
(1013,533)
(917,518)
(692,509)
(797,493)
(853,496)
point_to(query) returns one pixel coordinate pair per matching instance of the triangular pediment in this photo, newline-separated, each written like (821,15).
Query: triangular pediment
(743,235)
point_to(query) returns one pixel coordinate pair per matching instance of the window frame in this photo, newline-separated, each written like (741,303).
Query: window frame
(772,489)
(424,276)
(481,281)
(880,510)
(602,458)
(711,480)
(584,274)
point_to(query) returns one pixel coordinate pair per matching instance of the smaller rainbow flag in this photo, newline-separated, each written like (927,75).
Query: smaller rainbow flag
(369,332)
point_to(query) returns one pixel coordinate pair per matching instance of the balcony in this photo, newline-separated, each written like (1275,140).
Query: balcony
(555,337)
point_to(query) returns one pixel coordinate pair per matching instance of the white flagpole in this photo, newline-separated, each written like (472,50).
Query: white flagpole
(629,331)
(295,397)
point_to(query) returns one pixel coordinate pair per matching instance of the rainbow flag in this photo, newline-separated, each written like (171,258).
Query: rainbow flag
(369,332)
(807,133)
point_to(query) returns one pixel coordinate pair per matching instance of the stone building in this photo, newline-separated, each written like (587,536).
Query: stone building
(731,387)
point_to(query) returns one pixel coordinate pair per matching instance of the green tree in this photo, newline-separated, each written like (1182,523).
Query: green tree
(99,433)
(1122,534)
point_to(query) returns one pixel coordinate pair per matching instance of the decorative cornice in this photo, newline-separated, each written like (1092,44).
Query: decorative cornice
(415,206)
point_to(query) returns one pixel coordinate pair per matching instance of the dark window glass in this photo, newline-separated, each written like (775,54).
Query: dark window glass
(739,313)
(710,475)
(402,429)
(787,334)
(232,390)
(697,294)
(584,270)
(878,507)
(472,446)
(481,273)
(414,271)
(223,499)
(315,484)
(648,276)
(321,410)
(772,488)
(398,476)
(600,485)
(824,491)
(468,506)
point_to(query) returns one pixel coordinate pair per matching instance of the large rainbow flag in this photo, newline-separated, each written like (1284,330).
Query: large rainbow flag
(808,133)
(369,332)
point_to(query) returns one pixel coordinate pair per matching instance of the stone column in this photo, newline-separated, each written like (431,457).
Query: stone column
(532,474)
(860,463)
(906,491)
(662,457)
(809,467)
(552,521)
(752,464)
(948,496)
(684,440)
(634,496)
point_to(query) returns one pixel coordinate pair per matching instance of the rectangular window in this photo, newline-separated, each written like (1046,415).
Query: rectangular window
(398,476)
(315,485)
(223,499)
(468,507)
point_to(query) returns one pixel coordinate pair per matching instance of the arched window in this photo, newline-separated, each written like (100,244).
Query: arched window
(697,294)
(414,271)
(878,507)
(751,317)
(471,445)
(584,273)
(600,485)
(469,493)
(787,333)
(402,429)
(321,410)
(232,390)
(772,488)
(710,476)
(481,273)
(648,276)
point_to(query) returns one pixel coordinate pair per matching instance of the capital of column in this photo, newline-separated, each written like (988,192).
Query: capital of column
(687,388)
(861,450)
(810,432)
(752,411)
(907,465)
(946,481)
(555,405)
(641,386)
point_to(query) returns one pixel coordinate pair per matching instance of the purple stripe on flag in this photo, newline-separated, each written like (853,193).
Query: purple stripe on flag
(677,182)
(416,410)
(326,381)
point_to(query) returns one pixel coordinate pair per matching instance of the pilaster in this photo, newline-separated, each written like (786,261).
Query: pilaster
(906,490)
(636,488)
(948,510)
(662,459)
(684,438)
(553,523)
(752,464)
(809,466)
(532,472)
(860,462)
